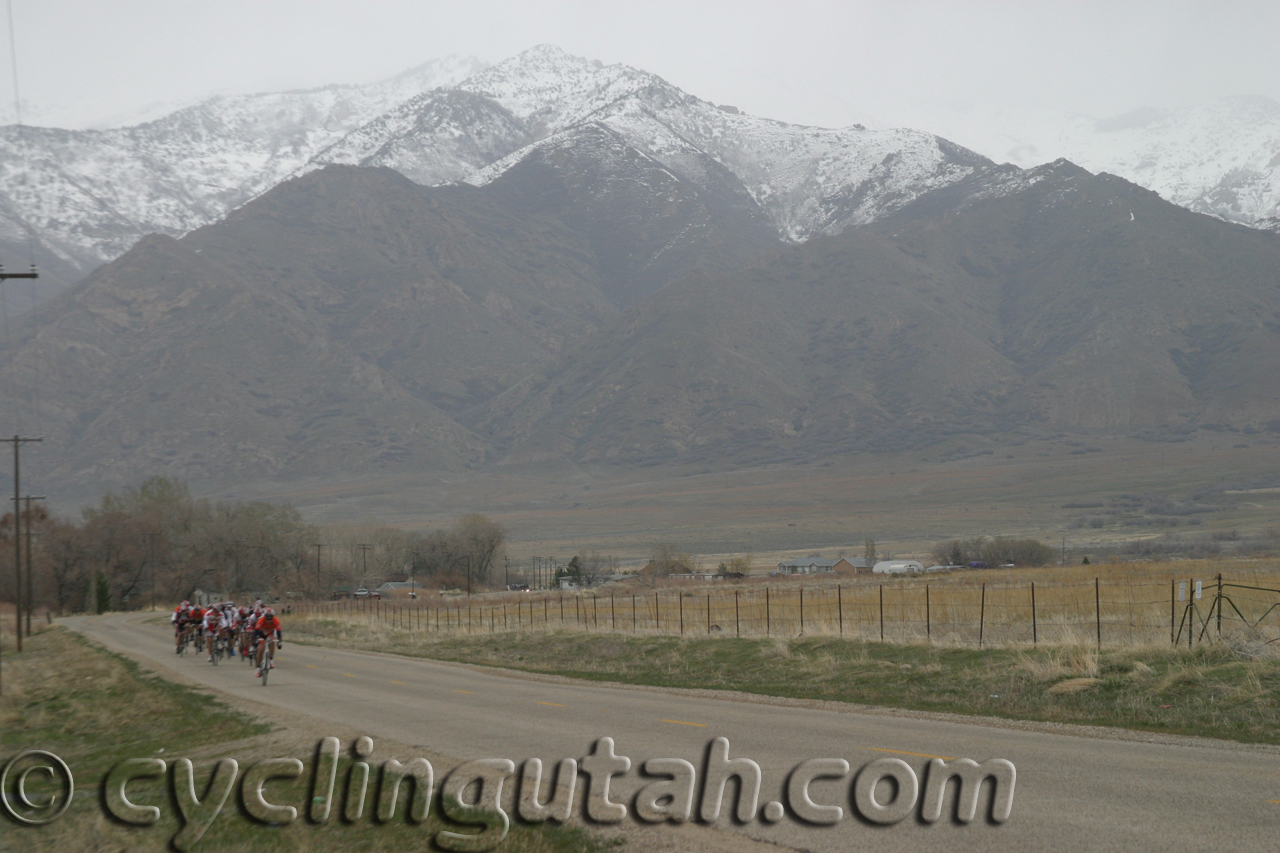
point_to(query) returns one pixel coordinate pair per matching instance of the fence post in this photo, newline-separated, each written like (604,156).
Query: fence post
(1035,637)
(1097,609)
(737,622)
(1173,591)
(708,613)
(657,614)
(928,617)
(562,608)
(982,616)
(1219,605)
(680,601)
(613,612)
(1191,610)
(633,614)
(882,613)
(840,608)
(802,611)
(767,618)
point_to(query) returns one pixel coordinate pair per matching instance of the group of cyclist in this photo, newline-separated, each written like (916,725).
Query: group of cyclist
(240,630)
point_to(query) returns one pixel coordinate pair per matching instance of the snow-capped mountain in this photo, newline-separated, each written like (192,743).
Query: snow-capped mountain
(89,195)
(1221,158)
(807,180)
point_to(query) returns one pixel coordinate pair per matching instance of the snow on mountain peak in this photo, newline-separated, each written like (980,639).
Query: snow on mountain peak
(89,195)
(535,79)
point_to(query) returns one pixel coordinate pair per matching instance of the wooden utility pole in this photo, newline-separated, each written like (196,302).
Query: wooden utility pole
(17,441)
(319,545)
(30,597)
(364,556)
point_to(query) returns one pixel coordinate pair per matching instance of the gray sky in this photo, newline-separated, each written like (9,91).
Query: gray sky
(90,62)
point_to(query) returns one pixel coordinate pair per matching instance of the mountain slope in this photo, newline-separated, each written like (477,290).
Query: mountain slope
(1010,303)
(335,325)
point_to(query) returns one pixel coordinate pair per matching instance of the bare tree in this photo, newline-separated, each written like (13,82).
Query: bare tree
(480,539)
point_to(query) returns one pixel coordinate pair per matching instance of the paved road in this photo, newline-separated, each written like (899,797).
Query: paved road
(1073,792)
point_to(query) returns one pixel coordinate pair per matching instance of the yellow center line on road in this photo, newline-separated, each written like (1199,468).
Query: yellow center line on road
(683,723)
(553,704)
(348,675)
(464,691)
(1277,802)
(917,754)
(310,666)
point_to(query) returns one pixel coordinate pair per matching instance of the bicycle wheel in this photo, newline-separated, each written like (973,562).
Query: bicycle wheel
(266,663)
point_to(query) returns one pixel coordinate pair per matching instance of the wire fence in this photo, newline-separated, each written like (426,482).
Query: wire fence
(1120,613)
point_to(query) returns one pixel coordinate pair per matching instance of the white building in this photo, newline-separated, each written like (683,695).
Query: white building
(897,567)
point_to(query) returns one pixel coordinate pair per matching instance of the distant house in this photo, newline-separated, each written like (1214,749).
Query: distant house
(851,566)
(807,566)
(391,588)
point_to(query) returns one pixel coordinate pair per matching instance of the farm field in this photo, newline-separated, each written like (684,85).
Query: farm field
(1092,495)
(1220,679)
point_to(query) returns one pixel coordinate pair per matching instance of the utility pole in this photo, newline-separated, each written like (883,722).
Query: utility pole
(319,545)
(18,441)
(506,570)
(468,576)
(30,594)
(364,555)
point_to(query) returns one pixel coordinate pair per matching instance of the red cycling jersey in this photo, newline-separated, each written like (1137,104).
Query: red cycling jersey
(268,625)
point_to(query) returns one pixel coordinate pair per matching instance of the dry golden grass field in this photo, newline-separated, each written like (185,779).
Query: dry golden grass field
(1053,490)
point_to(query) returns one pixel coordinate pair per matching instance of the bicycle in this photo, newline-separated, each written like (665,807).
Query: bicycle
(268,656)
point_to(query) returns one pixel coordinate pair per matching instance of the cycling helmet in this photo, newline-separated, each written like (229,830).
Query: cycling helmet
(269,612)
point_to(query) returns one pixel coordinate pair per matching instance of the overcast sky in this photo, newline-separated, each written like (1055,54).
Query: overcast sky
(94,62)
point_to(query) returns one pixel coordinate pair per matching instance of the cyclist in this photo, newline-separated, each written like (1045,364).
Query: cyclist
(196,616)
(179,620)
(230,626)
(246,630)
(267,630)
(211,624)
